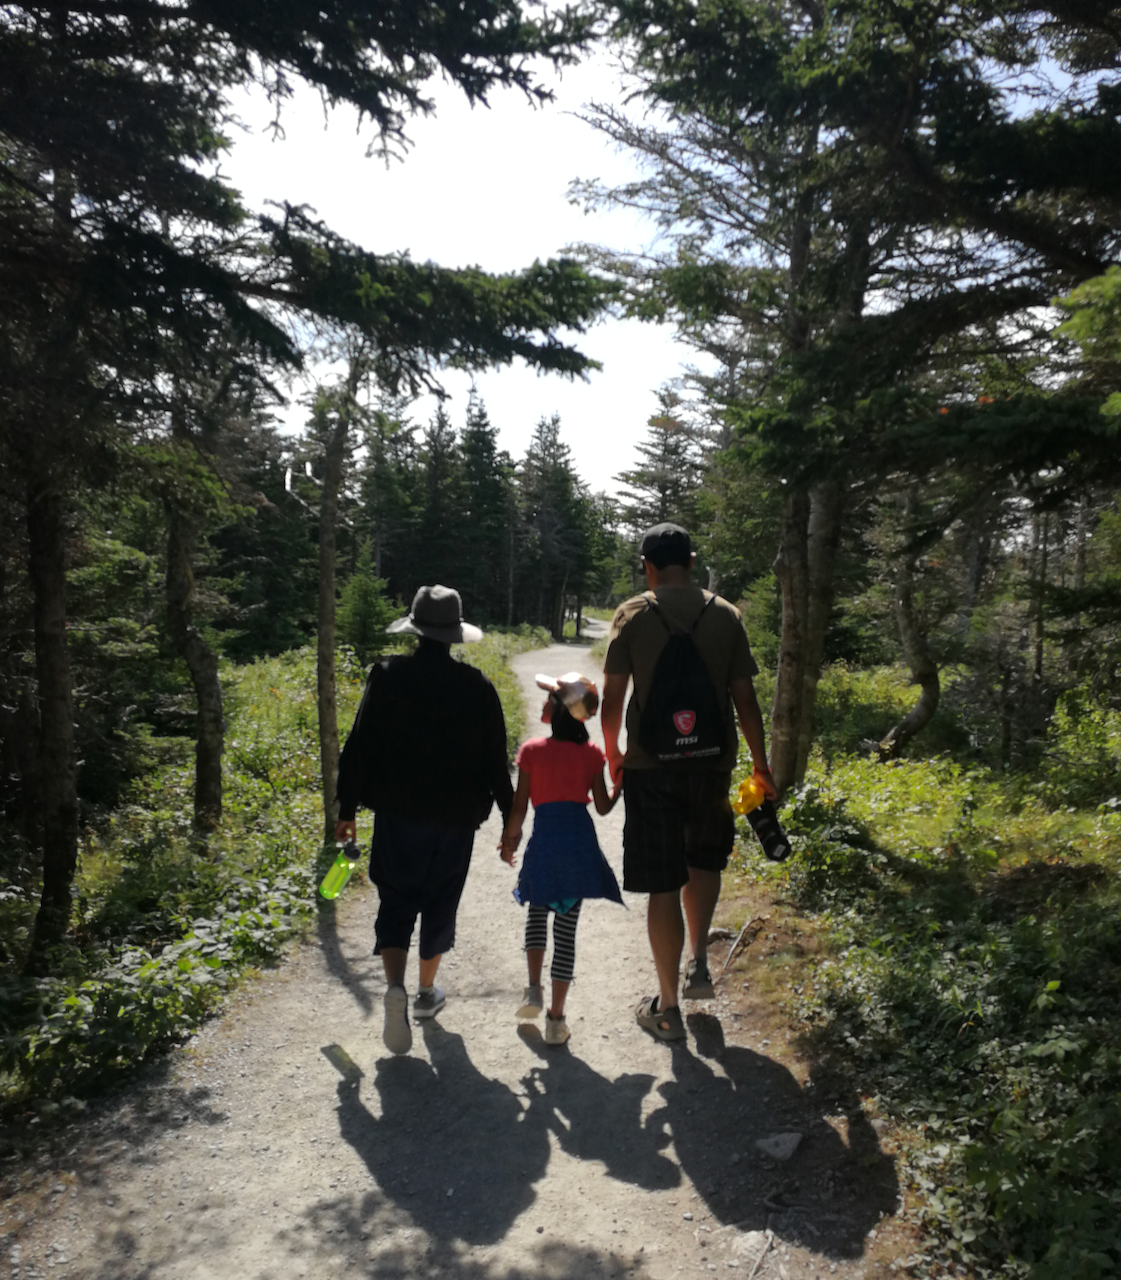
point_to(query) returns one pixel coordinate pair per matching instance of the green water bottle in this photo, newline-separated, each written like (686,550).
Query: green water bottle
(335,881)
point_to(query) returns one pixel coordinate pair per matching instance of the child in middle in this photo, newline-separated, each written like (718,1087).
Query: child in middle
(563,862)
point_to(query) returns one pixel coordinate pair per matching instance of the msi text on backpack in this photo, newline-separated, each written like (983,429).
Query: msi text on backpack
(684,718)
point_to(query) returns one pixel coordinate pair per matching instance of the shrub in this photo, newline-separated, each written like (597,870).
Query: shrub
(970,987)
(365,610)
(160,932)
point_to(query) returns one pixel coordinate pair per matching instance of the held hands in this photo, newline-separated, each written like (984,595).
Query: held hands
(615,770)
(508,845)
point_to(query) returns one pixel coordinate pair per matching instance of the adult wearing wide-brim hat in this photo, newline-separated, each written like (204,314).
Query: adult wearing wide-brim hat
(427,754)
(437,614)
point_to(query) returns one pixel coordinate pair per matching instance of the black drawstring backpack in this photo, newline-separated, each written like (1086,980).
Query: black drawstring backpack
(683,718)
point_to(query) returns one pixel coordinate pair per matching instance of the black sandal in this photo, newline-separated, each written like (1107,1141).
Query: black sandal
(649,1016)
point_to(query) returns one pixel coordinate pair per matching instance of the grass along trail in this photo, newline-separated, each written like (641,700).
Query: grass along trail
(285,1141)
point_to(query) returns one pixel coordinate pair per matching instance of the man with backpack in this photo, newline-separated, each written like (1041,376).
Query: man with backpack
(691,663)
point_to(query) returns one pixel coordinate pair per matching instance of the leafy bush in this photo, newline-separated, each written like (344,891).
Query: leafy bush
(364,609)
(161,932)
(1082,764)
(761,607)
(858,704)
(970,986)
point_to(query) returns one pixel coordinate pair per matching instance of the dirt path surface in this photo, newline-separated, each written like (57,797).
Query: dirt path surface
(286,1142)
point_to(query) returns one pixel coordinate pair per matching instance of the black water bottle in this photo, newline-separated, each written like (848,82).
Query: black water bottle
(764,822)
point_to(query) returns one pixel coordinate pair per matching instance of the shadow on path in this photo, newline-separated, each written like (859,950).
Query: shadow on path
(598,1119)
(827,1196)
(445,1127)
(337,964)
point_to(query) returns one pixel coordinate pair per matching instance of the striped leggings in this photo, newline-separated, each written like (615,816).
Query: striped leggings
(564,938)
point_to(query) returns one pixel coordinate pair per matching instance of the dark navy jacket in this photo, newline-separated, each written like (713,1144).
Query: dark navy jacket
(428,743)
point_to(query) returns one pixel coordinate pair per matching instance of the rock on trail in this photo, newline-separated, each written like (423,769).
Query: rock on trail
(285,1141)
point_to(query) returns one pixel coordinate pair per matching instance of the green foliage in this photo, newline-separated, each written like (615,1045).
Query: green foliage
(854,705)
(1095,324)
(558,534)
(520,542)
(364,609)
(127,692)
(491,655)
(969,984)
(161,933)
(664,483)
(761,606)
(267,556)
(1082,760)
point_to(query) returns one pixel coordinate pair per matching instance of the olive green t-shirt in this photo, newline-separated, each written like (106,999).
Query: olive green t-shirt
(635,643)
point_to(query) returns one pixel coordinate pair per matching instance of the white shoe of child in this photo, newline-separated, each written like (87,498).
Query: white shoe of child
(556,1029)
(532,1003)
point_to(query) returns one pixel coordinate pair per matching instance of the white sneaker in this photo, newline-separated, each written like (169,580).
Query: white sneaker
(429,1003)
(532,1003)
(556,1029)
(396,1033)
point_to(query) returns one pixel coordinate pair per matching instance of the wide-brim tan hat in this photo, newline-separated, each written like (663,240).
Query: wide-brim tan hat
(579,694)
(437,613)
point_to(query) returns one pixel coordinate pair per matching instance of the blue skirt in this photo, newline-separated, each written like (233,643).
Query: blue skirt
(563,860)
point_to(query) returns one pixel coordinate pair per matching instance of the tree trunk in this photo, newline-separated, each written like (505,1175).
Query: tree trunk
(977,560)
(558,611)
(1007,687)
(923,667)
(510,576)
(822,536)
(804,567)
(793,577)
(325,666)
(1040,587)
(1080,546)
(202,662)
(23,747)
(58,775)
(792,562)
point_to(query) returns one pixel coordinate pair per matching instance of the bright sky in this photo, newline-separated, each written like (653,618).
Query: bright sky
(485,187)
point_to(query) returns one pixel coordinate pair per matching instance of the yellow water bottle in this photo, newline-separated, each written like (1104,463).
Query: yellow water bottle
(337,877)
(751,795)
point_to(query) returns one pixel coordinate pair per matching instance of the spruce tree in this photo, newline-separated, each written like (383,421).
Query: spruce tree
(487,501)
(443,542)
(365,609)
(391,489)
(859,205)
(120,235)
(664,484)
(557,520)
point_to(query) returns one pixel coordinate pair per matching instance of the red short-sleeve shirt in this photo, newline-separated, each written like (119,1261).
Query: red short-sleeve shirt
(560,770)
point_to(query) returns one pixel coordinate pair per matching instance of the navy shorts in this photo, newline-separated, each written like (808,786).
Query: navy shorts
(420,868)
(676,819)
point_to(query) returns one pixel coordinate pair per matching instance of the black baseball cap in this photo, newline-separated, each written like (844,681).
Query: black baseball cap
(666,544)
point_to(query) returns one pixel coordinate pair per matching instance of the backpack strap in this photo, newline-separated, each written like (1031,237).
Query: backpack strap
(652,603)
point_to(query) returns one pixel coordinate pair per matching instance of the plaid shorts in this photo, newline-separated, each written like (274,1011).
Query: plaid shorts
(675,820)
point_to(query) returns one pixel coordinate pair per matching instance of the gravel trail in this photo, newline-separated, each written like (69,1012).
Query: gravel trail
(286,1142)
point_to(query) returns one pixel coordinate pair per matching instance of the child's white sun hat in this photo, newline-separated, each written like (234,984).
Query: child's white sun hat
(579,694)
